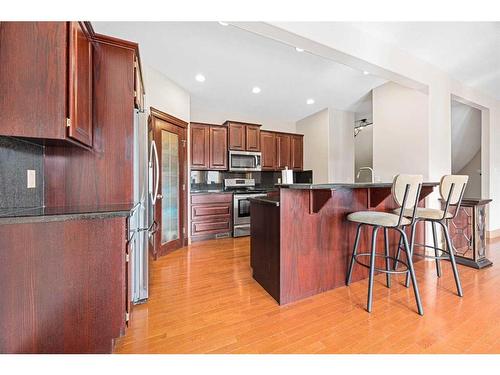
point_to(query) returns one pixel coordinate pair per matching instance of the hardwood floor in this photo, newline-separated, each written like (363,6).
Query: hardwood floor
(203,300)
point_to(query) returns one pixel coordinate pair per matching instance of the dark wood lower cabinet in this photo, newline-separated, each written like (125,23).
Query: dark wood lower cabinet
(62,286)
(211,216)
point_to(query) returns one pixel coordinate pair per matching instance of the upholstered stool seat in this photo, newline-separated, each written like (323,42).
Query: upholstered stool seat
(383,219)
(451,189)
(425,213)
(406,192)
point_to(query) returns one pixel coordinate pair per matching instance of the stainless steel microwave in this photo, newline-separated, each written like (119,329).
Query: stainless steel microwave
(244,161)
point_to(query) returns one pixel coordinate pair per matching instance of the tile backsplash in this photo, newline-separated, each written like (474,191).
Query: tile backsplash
(16,158)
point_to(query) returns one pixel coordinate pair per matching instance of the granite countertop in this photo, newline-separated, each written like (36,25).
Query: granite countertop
(333,186)
(219,191)
(21,215)
(209,191)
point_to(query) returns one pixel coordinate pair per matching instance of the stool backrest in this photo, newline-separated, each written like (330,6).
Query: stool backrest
(406,190)
(452,187)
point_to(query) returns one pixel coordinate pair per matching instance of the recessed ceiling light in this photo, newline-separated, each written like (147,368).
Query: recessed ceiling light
(299,49)
(223,23)
(256,90)
(365,72)
(200,78)
(310,101)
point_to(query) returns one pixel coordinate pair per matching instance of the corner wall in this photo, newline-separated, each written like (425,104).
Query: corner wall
(400,133)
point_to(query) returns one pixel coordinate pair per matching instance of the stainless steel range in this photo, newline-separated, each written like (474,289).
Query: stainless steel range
(242,190)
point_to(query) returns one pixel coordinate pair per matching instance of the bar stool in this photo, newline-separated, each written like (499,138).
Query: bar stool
(451,189)
(405,191)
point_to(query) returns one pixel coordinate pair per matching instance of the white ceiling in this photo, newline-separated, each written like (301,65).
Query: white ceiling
(465,134)
(234,60)
(468,51)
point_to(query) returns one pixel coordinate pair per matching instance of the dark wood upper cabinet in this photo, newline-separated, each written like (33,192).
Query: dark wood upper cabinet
(138,85)
(208,147)
(46,81)
(268,149)
(243,137)
(80,84)
(200,146)
(33,79)
(283,150)
(252,135)
(218,147)
(297,152)
(236,136)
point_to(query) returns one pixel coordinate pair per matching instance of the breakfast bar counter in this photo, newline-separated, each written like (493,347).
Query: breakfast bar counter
(301,241)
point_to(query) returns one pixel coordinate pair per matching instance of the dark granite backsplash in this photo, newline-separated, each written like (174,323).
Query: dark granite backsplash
(214,180)
(16,157)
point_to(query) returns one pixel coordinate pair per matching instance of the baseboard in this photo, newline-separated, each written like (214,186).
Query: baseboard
(493,233)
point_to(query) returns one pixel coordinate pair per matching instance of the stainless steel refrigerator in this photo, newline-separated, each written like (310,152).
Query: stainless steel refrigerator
(141,224)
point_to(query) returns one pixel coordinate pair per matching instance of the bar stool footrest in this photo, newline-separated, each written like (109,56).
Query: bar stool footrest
(382,269)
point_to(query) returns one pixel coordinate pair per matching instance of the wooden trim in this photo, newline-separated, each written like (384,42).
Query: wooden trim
(278,132)
(493,233)
(241,122)
(207,124)
(168,118)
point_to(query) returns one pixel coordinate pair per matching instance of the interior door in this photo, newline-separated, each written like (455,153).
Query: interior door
(170,212)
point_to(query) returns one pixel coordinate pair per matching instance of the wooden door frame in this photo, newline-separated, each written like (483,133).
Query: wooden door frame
(156,114)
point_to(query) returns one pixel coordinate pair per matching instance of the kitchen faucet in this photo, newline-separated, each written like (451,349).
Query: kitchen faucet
(367,169)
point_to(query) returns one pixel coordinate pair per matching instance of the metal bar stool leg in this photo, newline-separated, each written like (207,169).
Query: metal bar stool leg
(387,260)
(398,253)
(412,245)
(411,271)
(436,251)
(452,258)
(354,251)
(372,269)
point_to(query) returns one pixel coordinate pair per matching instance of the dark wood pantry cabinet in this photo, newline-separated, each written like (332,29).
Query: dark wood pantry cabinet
(208,146)
(46,73)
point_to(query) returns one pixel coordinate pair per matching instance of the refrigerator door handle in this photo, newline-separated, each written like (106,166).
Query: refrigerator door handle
(157,171)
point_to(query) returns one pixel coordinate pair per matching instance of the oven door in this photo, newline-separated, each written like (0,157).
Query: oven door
(241,208)
(241,161)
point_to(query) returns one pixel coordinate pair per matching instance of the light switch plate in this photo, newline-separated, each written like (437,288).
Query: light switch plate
(31,179)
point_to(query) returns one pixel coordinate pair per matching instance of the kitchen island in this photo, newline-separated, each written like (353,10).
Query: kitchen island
(301,241)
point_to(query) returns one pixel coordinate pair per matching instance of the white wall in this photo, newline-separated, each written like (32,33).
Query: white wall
(165,95)
(345,43)
(341,146)
(214,116)
(472,168)
(316,144)
(363,153)
(400,139)
(329,145)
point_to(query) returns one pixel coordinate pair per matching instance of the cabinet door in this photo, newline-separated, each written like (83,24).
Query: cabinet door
(80,85)
(200,146)
(296,149)
(218,147)
(33,78)
(252,138)
(138,86)
(268,149)
(283,142)
(236,137)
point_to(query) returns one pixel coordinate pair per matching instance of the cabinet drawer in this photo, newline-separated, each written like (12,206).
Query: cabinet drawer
(212,198)
(211,227)
(205,211)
